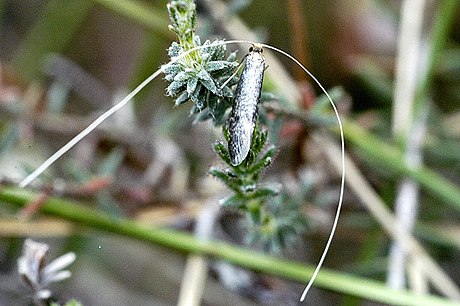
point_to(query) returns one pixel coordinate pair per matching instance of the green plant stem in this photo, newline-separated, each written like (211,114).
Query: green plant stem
(379,84)
(438,235)
(375,81)
(442,25)
(186,243)
(389,157)
(144,14)
(53,31)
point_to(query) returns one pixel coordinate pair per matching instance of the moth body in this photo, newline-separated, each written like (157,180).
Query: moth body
(245,106)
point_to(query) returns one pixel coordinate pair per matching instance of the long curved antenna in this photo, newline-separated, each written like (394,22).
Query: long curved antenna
(342,184)
(26,181)
(123,102)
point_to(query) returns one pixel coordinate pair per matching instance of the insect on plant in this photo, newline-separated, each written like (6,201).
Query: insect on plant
(244,111)
(241,122)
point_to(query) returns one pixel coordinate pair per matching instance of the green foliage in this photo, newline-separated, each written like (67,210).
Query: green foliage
(273,218)
(71,302)
(280,226)
(182,14)
(52,32)
(199,75)
(182,242)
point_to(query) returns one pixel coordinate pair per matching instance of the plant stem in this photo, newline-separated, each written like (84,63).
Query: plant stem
(409,128)
(389,157)
(186,243)
(411,95)
(376,206)
(53,31)
(144,14)
(439,35)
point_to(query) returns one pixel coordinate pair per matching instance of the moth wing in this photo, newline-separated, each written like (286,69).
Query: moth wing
(240,141)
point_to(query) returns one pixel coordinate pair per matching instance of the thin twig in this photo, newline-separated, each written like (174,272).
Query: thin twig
(69,125)
(308,120)
(379,210)
(407,68)
(182,242)
(196,269)
(299,35)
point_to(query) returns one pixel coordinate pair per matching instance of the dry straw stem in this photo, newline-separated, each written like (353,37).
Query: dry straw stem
(196,268)
(411,101)
(70,125)
(410,128)
(237,29)
(193,281)
(407,66)
(357,182)
(387,156)
(186,243)
(45,227)
(299,32)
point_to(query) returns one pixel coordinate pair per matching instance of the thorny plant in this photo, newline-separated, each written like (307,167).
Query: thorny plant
(201,75)
(206,77)
(273,220)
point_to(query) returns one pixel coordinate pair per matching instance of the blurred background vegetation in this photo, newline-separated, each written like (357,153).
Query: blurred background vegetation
(393,68)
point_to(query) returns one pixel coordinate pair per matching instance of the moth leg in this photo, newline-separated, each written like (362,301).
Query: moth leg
(235,73)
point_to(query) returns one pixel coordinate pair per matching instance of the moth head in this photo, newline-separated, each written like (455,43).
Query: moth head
(256,48)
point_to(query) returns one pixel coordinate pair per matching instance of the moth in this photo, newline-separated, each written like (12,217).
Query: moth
(243,116)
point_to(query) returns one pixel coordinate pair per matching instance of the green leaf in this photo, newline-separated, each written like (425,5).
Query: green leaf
(266,191)
(258,141)
(234,201)
(171,71)
(218,173)
(219,65)
(174,50)
(191,85)
(181,77)
(197,41)
(264,161)
(199,98)
(226,92)
(218,107)
(182,99)
(232,57)
(174,88)
(217,52)
(207,81)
